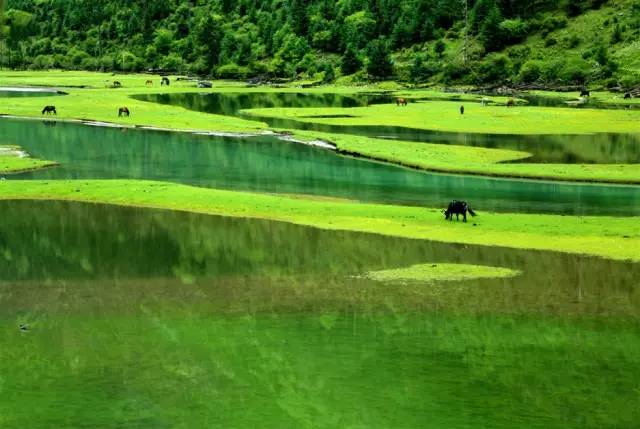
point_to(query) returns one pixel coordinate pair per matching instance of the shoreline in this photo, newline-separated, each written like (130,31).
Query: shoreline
(598,236)
(290,136)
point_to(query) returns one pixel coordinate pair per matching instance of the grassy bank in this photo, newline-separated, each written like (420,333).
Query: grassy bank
(445,116)
(616,238)
(97,101)
(100,103)
(473,160)
(14,160)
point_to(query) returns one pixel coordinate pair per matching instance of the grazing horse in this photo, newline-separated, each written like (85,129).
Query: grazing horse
(511,103)
(627,96)
(149,83)
(49,110)
(124,111)
(462,110)
(116,84)
(165,81)
(585,93)
(458,208)
(402,102)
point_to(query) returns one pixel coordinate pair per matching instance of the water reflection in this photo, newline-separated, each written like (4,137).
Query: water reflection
(158,319)
(598,148)
(266,164)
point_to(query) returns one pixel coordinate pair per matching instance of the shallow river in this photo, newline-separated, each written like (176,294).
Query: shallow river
(567,149)
(154,319)
(267,164)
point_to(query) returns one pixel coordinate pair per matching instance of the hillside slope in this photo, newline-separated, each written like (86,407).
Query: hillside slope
(571,42)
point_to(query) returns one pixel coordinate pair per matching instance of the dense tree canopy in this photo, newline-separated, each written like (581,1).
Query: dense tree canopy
(284,38)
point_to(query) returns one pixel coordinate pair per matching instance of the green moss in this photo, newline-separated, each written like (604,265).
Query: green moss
(442,272)
(611,237)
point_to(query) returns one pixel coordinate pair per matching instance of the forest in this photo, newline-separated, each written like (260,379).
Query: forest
(454,41)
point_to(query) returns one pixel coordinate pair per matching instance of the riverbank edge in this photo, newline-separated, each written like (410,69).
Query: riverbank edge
(605,237)
(332,142)
(20,159)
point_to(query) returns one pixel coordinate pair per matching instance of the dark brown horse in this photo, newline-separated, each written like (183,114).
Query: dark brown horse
(49,110)
(165,81)
(458,208)
(585,93)
(124,111)
(116,84)
(149,83)
(402,102)
(627,96)
(511,103)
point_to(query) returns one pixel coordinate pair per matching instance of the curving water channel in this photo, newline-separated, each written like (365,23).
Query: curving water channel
(601,148)
(143,319)
(18,92)
(267,164)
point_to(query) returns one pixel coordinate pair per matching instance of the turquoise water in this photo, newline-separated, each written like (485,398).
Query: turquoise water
(153,319)
(266,164)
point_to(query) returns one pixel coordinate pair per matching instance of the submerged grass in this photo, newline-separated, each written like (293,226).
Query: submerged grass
(610,237)
(430,273)
(14,160)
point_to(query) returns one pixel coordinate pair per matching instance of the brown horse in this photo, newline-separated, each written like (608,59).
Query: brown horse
(116,84)
(149,83)
(124,111)
(511,103)
(402,102)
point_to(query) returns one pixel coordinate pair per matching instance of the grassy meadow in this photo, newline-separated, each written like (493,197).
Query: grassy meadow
(617,238)
(610,237)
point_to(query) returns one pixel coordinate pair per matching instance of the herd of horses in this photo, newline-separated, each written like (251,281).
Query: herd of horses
(122,111)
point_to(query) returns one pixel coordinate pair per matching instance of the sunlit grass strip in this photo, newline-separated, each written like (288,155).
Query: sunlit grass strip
(473,160)
(445,116)
(610,237)
(430,273)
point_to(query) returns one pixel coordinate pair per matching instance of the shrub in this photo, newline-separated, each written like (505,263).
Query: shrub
(550,70)
(552,23)
(454,72)
(232,71)
(575,71)
(530,72)
(513,30)
(496,68)
(571,42)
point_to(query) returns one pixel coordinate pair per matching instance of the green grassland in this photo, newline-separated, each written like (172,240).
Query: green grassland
(99,102)
(430,273)
(616,238)
(445,116)
(473,160)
